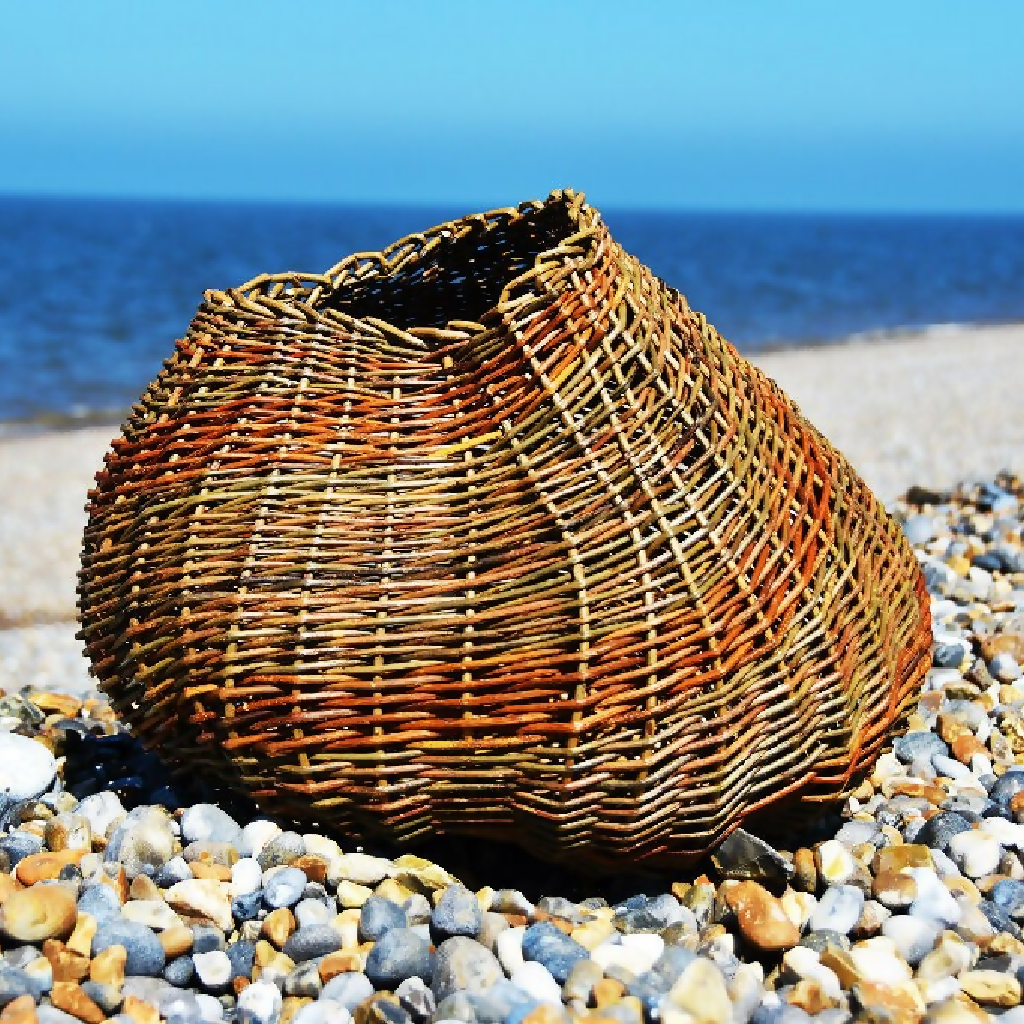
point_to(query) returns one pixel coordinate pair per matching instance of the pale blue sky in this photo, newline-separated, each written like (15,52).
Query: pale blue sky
(914,105)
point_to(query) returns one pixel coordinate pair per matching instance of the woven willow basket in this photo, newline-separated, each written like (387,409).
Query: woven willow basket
(489,533)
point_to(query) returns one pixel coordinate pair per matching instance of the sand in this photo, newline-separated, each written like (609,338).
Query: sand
(928,409)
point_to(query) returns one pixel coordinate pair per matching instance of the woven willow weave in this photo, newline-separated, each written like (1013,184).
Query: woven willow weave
(489,533)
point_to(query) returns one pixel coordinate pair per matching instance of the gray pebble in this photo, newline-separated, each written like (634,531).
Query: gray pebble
(457,913)
(101,901)
(838,909)
(416,997)
(551,947)
(397,955)
(462,964)
(923,745)
(145,954)
(377,916)
(284,888)
(208,821)
(180,971)
(282,849)
(348,989)
(303,980)
(315,941)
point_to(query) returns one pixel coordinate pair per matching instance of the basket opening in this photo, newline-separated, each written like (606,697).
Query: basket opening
(462,276)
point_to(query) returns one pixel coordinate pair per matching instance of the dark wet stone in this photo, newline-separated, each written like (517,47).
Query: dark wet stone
(655,915)
(377,916)
(746,856)
(552,948)
(948,656)
(937,831)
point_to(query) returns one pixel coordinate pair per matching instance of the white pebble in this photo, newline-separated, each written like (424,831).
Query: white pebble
(102,810)
(259,1003)
(323,1011)
(536,980)
(508,947)
(213,968)
(838,909)
(934,900)
(246,876)
(975,854)
(879,960)
(26,768)
(210,1008)
(255,836)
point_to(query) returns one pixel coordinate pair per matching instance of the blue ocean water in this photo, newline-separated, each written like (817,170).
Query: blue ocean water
(93,293)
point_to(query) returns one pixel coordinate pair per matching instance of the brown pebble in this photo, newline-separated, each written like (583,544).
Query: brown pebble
(67,966)
(805,873)
(950,727)
(312,866)
(810,997)
(140,1011)
(107,968)
(177,941)
(516,920)
(69,997)
(218,872)
(966,746)
(892,890)
(144,888)
(607,992)
(934,794)
(68,832)
(278,925)
(38,867)
(114,876)
(841,964)
(900,1004)
(900,859)
(559,922)
(18,1009)
(38,913)
(762,920)
(81,938)
(239,984)
(991,988)
(339,963)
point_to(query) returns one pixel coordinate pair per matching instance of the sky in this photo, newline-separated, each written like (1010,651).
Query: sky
(879,105)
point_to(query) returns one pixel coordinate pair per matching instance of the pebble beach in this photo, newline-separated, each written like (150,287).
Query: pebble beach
(124,898)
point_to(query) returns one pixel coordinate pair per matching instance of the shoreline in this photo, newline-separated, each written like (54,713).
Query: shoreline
(929,409)
(55,422)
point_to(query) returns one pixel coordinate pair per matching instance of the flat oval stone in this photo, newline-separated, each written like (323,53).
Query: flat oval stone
(315,941)
(38,913)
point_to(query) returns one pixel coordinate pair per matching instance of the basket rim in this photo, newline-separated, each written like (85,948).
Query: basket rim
(309,292)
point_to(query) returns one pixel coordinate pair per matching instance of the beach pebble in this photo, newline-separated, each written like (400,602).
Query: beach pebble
(284,888)
(145,953)
(214,969)
(399,954)
(38,913)
(463,965)
(548,945)
(974,853)
(838,909)
(312,942)
(536,981)
(202,897)
(763,921)
(348,989)
(379,915)
(457,912)
(27,769)
(259,1003)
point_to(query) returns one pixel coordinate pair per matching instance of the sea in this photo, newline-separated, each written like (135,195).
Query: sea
(93,293)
